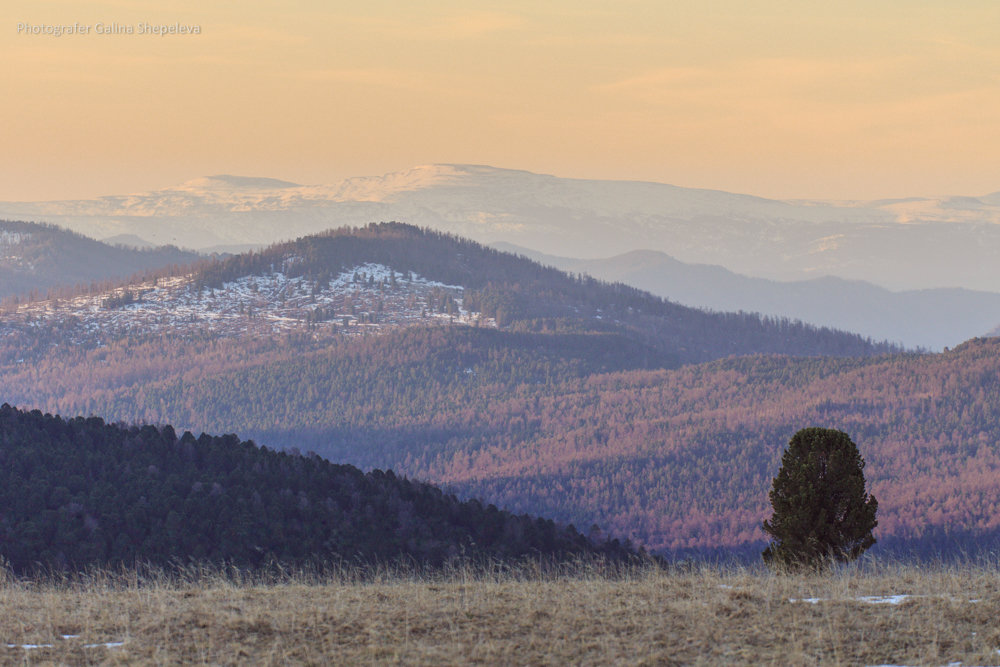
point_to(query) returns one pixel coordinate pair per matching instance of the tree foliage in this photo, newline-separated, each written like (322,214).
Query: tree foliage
(574,427)
(79,492)
(822,512)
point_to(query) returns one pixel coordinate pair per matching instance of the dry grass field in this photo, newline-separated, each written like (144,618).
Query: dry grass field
(873,615)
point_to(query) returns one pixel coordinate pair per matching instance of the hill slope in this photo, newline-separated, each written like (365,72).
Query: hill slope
(35,258)
(548,424)
(391,275)
(932,318)
(80,492)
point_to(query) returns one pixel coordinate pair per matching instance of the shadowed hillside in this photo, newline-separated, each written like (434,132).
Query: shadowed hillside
(81,492)
(35,258)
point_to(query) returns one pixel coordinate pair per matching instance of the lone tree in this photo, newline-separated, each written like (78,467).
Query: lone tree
(821,510)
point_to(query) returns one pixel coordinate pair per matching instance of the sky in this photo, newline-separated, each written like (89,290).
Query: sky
(777,98)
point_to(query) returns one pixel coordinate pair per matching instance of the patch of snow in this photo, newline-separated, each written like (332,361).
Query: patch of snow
(367,297)
(12,238)
(867,599)
(877,599)
(884,599)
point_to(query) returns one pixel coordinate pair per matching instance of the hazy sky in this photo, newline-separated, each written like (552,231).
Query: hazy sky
(779,98)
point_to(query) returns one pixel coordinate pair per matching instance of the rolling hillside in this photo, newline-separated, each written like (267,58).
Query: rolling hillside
(79,492)
(587,402)
(391,275)
(35,258)
(930,318)
(670,458)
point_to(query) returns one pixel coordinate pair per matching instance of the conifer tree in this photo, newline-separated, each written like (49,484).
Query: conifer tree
(822,512)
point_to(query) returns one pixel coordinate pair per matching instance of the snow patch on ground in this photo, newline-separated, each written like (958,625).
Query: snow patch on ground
(867,599)
(31,647)
(9,252)
(872,599)
(12,238)
(364,299)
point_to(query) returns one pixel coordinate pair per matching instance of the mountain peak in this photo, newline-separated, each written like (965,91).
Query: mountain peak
(229,182)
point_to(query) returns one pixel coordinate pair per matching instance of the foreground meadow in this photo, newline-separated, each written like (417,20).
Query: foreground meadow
(873,615)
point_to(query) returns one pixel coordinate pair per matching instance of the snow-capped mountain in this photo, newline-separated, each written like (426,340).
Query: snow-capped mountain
(900,244)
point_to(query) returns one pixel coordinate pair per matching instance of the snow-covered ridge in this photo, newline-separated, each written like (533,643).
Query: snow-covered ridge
(485,183)
(915,243)
(369,298)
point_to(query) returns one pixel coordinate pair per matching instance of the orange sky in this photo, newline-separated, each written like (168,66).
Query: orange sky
(776,98)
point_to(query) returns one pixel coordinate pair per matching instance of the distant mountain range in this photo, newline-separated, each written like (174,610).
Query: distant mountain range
(36,258)
(932,319)
(900,244)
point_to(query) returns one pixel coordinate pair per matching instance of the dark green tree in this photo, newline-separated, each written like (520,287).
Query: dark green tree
(822,512)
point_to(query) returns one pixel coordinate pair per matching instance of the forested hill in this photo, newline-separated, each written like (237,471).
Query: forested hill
(79,492)
(544,424)
(37,257)
(523,295)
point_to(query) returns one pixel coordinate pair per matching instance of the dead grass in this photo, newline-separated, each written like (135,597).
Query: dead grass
(702,615)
